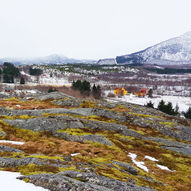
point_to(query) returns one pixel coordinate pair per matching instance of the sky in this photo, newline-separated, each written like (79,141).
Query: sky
(88,29)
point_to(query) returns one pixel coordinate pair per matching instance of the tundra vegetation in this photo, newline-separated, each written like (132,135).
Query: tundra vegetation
(91,144)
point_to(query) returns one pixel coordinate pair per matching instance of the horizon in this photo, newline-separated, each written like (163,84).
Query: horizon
(88,30)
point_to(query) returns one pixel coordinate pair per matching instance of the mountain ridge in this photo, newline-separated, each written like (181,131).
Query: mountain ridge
(174,51)
(51,59)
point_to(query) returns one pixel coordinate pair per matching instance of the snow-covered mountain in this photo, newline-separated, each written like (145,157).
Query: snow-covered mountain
(52,59)
(171,52)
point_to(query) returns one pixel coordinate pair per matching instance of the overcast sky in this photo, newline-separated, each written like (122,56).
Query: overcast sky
(90,29)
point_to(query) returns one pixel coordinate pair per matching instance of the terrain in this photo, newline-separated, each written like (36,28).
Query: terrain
(60,142)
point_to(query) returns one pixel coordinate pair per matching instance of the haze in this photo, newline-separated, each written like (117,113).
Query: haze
(88,29)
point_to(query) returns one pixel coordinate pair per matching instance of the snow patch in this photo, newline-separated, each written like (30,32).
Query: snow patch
(163,167)
(151,158)
(10,183)
(138,164)
(74,154)
(12,142)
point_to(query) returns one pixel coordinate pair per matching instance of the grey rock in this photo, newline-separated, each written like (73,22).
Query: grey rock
(66,181)
(9,149)
(127,167)
(84,138)
(178,147)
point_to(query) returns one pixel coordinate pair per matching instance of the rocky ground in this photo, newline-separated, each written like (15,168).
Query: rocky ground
(85,145)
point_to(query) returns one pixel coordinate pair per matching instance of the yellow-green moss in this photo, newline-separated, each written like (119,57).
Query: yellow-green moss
(144,115)
(87,104)
(76,132)
(37,169)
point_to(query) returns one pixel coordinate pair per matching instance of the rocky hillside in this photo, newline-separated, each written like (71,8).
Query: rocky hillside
(174,51)
(88,145)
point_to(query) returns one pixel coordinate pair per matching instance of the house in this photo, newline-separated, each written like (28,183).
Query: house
(141,93)
(120,91)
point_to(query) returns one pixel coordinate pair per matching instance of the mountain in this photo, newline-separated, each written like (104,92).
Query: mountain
(174,51)
(51,59)
(107,61)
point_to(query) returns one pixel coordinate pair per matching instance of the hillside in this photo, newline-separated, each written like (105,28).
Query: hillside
(174,51)
(64,143)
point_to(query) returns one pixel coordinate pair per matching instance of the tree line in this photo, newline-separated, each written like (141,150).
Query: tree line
(85,88)
(168,109)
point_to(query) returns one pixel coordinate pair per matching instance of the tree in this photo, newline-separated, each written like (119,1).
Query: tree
(167,108)
(51,89)
(161,105)
(35,71)
(96,92)
(187,114)
(150,104)
(9,72)
(86,88)
(22,80)
(150,93)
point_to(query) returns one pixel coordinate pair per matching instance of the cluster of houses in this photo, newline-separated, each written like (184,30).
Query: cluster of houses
(123,91)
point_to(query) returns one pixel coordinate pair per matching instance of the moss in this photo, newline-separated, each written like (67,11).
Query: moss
(11,99)
(37,169)
(76,132)
(72,167)
(144,115)
(87,104)
(26,180)
(46,157)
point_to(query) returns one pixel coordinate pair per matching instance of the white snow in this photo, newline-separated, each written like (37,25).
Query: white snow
(10,183)
(183,102)
(74,154)
(151,158)
(12,142)
(163,167)
(138,164)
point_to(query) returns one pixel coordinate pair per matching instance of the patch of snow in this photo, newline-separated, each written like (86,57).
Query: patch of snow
(74,154)
(183,102)
(163,167)
(10,183)
(151,158)
(138,164)
(12,142)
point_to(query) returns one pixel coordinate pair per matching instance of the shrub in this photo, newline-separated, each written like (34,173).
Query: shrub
(111,95)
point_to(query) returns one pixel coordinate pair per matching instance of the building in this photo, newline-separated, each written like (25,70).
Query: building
(120,91)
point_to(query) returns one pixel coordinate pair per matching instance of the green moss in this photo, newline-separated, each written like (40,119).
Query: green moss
(87,104)
(26,180)
(144,115)
(37,169)
(46,157)
(76,132)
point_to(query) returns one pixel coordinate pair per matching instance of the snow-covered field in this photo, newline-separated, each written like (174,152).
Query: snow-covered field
(10,183)
(183,102)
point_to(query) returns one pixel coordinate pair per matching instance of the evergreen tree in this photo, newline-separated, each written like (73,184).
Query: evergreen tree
(51,89)
(85,89)
(161,105)
(150,104)
(98,92)
(187,114)
(94,91)
(22,80)
(35,71)
(9,72)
